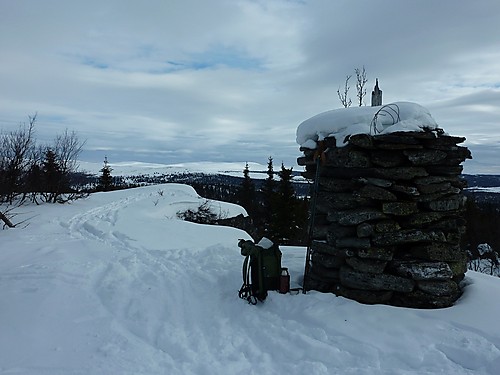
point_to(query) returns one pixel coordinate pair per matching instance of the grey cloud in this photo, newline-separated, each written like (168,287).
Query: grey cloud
(231,80)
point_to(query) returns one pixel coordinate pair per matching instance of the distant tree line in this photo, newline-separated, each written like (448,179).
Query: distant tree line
(276,210)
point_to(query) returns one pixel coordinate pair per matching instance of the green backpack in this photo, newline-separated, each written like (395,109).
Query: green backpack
(261,269)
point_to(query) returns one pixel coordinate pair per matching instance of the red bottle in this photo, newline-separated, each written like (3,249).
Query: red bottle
(284,281)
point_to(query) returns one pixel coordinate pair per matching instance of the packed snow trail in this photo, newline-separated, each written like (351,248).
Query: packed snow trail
(116,284)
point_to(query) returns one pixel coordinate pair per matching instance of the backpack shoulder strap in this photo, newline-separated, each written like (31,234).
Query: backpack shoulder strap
(262,291)
(246,289)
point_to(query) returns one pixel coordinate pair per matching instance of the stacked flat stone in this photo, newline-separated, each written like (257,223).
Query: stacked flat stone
(389,218)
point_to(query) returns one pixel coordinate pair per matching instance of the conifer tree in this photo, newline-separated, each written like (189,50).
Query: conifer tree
(53,183)
(268,196)
(284,218)
(34,181)
(269,183)
(106,180)
(285,188)
(246,192)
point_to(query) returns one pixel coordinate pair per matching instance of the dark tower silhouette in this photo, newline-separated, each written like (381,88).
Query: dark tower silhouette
(376,95)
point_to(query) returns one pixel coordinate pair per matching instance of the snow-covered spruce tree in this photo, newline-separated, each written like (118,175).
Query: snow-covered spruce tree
(246,192)
(106,180)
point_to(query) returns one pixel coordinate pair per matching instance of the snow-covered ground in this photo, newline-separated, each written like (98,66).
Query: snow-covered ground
(116,284)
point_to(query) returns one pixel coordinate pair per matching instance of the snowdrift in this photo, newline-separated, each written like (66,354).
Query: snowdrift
(116,284)
(343,122)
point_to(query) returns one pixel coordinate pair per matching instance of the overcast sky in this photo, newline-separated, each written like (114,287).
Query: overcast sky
(172,81)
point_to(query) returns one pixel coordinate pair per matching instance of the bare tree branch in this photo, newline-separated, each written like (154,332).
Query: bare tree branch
(67,148)
(361,81)
(6,220)
(343,96)
(14,155)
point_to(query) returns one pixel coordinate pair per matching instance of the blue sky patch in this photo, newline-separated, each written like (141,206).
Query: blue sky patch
(94,63)
(218,56)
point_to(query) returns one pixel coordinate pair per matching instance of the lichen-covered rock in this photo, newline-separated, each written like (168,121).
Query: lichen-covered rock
(449,204)
(387,226)
(407,236)
(446,170)
(400,173)
(438,251)
(387,159)
(364,230)
(400,139)
(399,208)
(366,265)
(346,157)
(421,300)
(319,232)
(361,141)
(443,187)
(423,270)
(377,193)
(328,261)
(438,288)
(370,281)
(337,231)
(425,157)
(420,218)
(459,268)
(410,191)
(325,248)
(338,185)
(341,201)
(376,253)
(355,216)
(353,243)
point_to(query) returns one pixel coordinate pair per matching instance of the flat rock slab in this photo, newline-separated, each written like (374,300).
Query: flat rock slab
(423,270)
(369,281)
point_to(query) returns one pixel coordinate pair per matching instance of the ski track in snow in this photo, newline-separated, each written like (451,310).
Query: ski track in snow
(160,296)
(154,295)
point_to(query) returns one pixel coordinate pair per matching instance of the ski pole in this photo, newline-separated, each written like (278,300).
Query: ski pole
(311,220)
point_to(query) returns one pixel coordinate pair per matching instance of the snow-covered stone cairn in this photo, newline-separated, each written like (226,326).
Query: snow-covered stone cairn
(389,206)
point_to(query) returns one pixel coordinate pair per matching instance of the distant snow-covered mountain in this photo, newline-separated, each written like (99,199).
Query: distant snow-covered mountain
(133,168)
